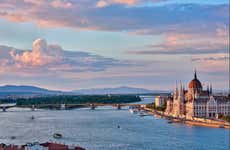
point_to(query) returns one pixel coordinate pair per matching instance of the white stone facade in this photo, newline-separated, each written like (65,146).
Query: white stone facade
(160,101)
(196,102)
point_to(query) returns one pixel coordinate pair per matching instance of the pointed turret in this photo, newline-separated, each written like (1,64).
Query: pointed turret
(175,94)
(181,93)
(195,76)
(210,90)
(180,89)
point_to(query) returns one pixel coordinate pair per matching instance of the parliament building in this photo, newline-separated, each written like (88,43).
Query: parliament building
(196,102)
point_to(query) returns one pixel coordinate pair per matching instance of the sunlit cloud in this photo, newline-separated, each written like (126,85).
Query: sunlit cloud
(189,43)
(177,18)
(195,35)
(53,58)
(104,3)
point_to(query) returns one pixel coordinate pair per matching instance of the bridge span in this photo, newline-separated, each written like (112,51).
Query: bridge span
(71,106)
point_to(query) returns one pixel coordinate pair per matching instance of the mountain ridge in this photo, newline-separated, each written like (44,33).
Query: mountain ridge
(34,90)
(26,90)
(116,90)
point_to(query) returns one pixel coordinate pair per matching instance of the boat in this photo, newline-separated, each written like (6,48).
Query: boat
(170,122)
(57,135)
(142,114)
(221,126)
(133,111)
(32,118)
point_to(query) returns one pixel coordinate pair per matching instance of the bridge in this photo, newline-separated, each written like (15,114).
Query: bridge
(6,106)
(70,106)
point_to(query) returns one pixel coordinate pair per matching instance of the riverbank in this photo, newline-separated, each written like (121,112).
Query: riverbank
(193,122)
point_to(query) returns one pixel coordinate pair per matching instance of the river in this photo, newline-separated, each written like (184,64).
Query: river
(98,130)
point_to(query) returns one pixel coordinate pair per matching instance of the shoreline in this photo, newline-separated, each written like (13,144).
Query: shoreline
(217,124)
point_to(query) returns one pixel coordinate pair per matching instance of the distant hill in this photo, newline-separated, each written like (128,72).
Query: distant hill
(26,90)
(117,90)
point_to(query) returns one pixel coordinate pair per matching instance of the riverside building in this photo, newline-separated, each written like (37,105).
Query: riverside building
(196,102)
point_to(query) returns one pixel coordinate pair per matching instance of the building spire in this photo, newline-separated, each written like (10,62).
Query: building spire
(210,89)
(195,77)
(175,94)
(176,86)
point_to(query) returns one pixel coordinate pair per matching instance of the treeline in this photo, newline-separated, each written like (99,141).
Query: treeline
(7,100)
(81,99)
(226,118)
(153,106)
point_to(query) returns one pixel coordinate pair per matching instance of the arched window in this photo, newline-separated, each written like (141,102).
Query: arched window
(211,107)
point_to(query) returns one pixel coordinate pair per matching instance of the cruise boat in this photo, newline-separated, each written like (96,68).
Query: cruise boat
(143,114)
(57,135)
(133,110)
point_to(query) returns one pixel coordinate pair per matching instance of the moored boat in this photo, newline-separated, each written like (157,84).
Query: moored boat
(133,111)
(57,135)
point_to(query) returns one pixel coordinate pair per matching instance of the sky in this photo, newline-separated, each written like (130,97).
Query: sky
(77,44)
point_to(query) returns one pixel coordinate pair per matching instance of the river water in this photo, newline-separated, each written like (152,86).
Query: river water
(98,130)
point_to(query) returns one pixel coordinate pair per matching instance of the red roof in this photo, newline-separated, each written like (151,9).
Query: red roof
(51,146)
(11,147)
(195,84)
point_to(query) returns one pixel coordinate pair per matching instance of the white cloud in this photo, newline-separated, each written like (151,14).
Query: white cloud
(41,55)
(45,57)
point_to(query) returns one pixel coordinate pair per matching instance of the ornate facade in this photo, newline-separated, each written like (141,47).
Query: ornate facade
(196,102)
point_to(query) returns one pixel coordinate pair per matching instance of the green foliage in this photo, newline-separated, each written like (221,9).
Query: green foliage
(160,108)
(81,99)
(151,106)
(7,100)
(227,118)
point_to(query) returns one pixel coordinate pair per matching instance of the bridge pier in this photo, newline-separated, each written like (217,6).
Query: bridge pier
(63,107)
(4,109)
(118,106)
(33,108)
(92,106)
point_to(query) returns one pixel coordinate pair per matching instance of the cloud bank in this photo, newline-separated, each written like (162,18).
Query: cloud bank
(185,28)
(93,15)
(46,57)
(51,66)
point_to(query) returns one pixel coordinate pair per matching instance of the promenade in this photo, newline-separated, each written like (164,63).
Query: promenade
(193,122)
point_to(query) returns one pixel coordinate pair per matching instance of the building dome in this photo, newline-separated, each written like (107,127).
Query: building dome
(195,83)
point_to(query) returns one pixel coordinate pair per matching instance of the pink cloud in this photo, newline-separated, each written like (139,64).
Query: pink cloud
(212,63)
(52,58)
(190,43)
(39,56)
(104,3)
(84,14)
(61,4)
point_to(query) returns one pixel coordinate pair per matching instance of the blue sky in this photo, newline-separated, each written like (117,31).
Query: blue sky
(108,43)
